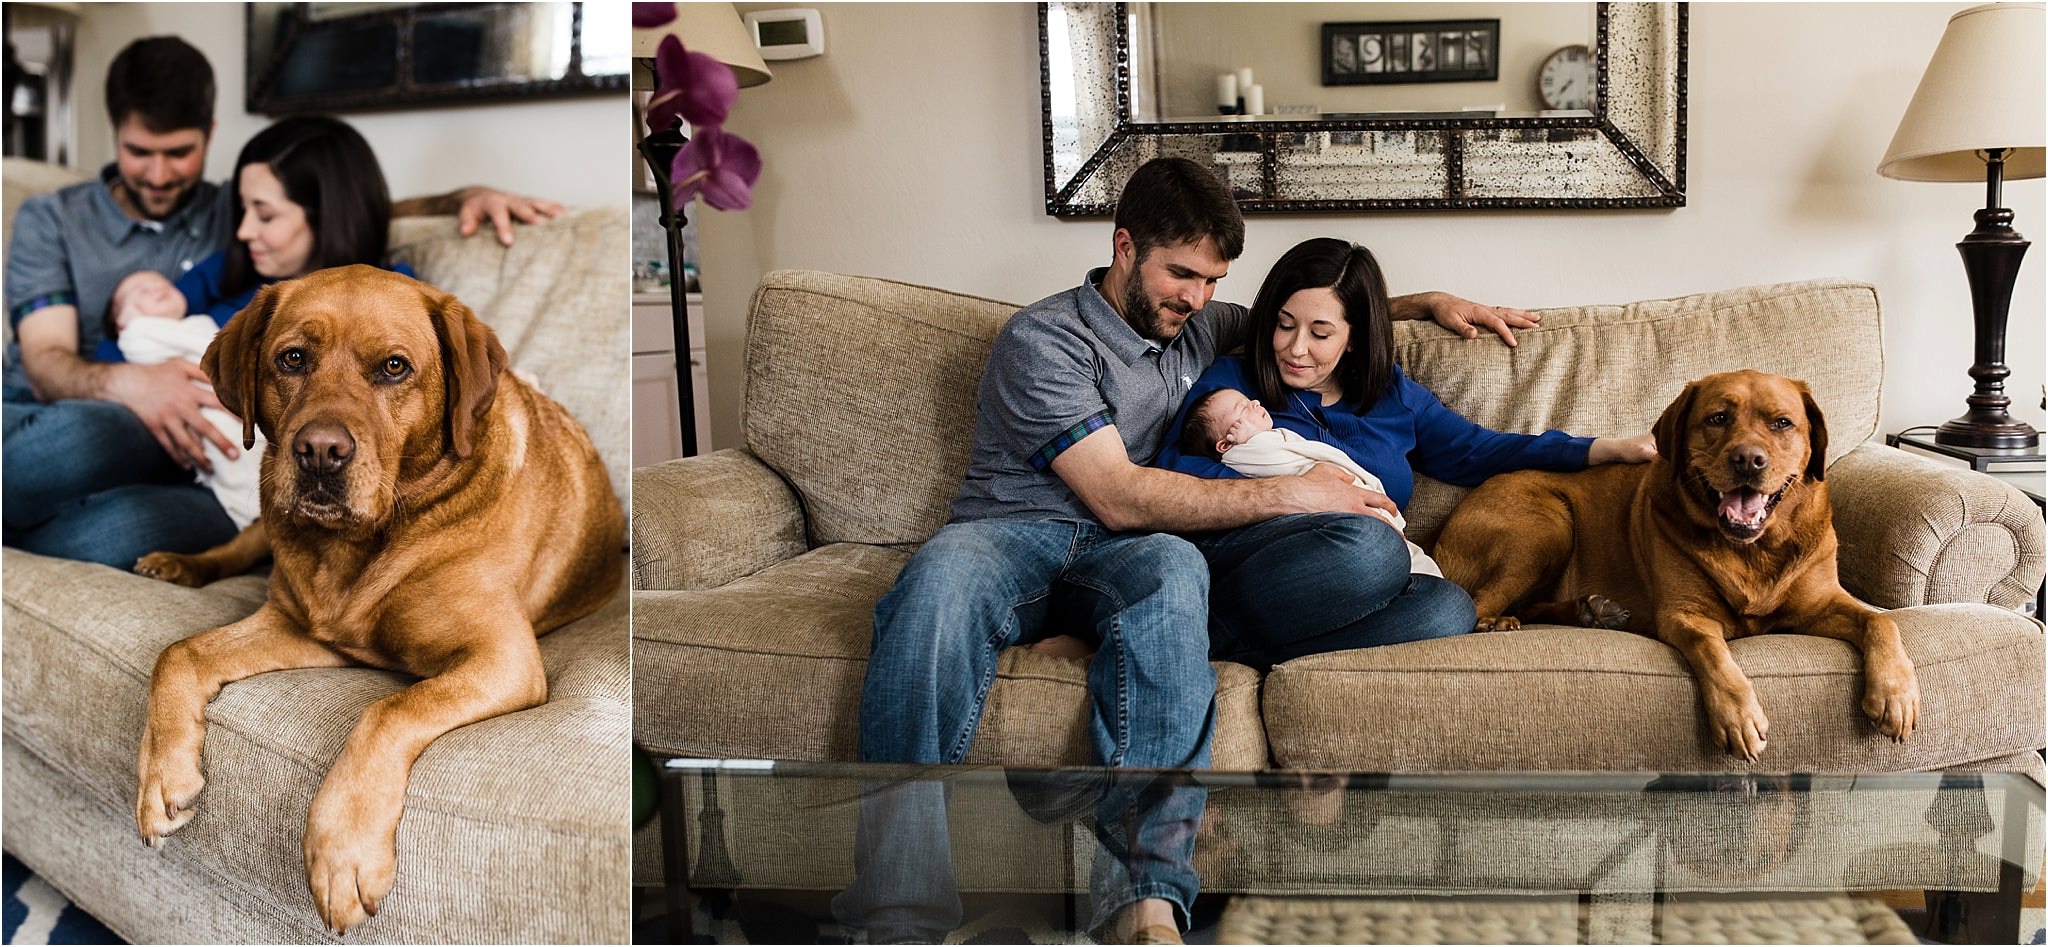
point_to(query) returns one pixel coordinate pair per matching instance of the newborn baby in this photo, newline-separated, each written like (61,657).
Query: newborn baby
(151,327)
(1238,431)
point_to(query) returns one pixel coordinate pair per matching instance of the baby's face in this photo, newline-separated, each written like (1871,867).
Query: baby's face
(146,293)
(1234,418)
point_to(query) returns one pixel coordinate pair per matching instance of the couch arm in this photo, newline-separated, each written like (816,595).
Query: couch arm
(700,522)
(1918,532)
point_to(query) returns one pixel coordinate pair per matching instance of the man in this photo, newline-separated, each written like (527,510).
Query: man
(1058,515)
(98,456)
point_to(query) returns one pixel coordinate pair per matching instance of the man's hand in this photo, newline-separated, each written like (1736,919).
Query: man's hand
(478,204)
(1464,316)
(1328,488)
(167,400)
(1640,449)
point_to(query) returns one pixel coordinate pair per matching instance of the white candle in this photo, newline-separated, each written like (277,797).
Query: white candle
(1244,81)
(1255,101)
(1226,90)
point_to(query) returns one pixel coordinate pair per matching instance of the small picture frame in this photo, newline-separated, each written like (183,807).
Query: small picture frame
(1402,51)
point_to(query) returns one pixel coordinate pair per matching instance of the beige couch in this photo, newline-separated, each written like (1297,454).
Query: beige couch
(514,828)
(756,570)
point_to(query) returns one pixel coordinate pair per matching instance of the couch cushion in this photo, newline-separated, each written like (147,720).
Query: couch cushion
(557,302)
(1552,698)
(522,810)
(823,350)
(1599,370)
(702,659)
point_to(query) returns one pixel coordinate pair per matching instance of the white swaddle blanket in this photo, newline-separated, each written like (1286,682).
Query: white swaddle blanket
(1282,453)
(235,483)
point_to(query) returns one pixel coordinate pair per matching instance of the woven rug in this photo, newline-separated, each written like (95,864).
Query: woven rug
(1817,920)
(32,912)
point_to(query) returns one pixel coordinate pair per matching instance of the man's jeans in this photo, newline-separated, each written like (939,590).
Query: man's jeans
(86,480)
(1291,586)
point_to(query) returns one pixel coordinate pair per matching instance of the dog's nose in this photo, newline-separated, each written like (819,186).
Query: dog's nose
(1748,459)
(323,447)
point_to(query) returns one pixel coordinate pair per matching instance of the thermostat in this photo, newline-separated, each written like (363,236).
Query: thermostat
(787,34)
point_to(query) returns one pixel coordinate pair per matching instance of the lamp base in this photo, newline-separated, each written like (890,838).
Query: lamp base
(1993,433)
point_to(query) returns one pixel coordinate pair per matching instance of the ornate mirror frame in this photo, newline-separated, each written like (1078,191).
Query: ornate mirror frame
(1628,151)
(279,33)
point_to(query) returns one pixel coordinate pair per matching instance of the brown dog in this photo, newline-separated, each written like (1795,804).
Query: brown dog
(1727,533)
(429,513)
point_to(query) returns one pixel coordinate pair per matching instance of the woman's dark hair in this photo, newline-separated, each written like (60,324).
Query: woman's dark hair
(328,169)
(1172,201)
(164,82)
(1367,370)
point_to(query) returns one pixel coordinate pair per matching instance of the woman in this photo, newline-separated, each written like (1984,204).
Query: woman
(1321,362)
(309,194)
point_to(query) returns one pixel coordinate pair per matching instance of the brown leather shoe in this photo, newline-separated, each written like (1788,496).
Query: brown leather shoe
(1156,934)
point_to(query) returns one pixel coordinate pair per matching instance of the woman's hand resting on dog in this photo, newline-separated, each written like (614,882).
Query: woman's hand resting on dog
(1640,449)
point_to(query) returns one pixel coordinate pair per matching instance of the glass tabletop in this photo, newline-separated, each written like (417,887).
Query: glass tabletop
(1607,855)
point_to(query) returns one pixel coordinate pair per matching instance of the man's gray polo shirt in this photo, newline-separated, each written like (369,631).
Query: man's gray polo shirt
(71,246)
(1061,369)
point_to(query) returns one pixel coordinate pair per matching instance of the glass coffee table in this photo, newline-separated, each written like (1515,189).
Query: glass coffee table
(757,850)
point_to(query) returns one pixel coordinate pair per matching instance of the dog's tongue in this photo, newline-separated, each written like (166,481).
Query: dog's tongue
(1742,506)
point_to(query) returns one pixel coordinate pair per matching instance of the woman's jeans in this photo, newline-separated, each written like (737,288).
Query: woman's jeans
(86,480)
(1160,606)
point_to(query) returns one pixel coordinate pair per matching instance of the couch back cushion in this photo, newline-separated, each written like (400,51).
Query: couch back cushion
(860,392)
(558,304)
(1600,370)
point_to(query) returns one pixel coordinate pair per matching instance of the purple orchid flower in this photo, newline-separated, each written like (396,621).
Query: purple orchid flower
(650,15)
(691,86)
(722,167)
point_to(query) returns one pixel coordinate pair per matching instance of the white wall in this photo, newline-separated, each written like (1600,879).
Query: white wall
(571,150)
(911,150)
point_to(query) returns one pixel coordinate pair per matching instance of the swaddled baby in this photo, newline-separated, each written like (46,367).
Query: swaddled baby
(1238,431)
(151,327)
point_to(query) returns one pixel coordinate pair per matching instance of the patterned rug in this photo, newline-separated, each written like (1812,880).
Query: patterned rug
(32,912)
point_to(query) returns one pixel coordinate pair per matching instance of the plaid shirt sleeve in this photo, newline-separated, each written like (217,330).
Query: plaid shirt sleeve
(1046,390)
(38,268)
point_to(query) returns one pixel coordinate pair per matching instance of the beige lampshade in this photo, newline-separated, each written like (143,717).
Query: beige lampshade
(711,28)
(1983,89)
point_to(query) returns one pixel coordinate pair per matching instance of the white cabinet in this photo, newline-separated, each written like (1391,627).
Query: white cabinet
(657,427)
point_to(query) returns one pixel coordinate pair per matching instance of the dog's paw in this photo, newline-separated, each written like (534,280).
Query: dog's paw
(173,568)
(1738,724)
(349,872)
(1499,623)
(166,791)
(1599,611)
(1893,705)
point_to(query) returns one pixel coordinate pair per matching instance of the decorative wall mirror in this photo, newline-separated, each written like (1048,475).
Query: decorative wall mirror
(1114,98)
(336,56)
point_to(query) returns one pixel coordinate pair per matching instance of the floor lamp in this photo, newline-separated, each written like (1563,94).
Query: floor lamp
(1977,116)
(714,29)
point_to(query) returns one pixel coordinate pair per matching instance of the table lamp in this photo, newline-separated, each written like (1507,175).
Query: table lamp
(1978,115)
(713,29)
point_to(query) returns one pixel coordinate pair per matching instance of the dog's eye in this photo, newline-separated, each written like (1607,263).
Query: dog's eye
(291,361)
(1781,424)
(394,368)
(1718,418)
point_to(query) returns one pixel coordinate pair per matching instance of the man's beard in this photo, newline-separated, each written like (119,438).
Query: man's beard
(1142,312)
(168,205)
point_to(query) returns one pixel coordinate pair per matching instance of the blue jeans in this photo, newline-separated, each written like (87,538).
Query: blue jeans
(975,589)
(1285,588)
(1310,583)
(86,480)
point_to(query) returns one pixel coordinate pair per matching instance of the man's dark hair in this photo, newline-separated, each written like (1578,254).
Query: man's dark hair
(164,82)
(1194,433)
(1172,201)
(1366,371)
(327,168)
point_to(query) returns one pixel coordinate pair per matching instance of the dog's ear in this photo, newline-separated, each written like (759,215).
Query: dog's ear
(471,359)
(234,358)
(1816,434)
(1673,427)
